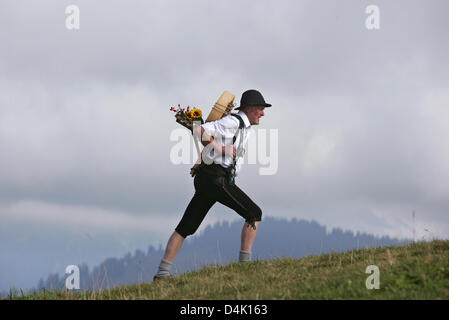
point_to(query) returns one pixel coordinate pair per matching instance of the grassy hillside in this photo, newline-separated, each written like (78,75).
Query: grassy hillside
(415,271)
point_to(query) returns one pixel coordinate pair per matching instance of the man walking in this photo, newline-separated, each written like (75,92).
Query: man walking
(226,140)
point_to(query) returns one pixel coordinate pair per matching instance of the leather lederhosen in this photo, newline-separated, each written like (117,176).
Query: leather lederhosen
(211,186)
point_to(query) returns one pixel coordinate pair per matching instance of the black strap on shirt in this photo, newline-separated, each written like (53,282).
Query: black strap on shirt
(231,169)
(241,125)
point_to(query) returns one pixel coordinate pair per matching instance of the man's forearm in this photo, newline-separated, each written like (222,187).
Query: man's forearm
(207,139)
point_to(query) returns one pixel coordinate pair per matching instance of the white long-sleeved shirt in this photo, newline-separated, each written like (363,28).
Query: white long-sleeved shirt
(223,131)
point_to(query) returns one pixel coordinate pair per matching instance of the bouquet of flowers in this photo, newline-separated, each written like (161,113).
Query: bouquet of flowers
(186,117)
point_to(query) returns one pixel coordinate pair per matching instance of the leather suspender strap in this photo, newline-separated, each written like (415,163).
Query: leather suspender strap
(241,124)
(231,177)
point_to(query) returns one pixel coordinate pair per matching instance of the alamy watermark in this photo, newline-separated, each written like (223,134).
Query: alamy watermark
(372,22)
(262,148)
(73,279)
(373,281)
(72,21)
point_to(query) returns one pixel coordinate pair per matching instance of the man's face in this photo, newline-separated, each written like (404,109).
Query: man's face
(254,113)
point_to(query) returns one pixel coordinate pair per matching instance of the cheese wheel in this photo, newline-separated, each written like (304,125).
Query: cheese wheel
(222,107)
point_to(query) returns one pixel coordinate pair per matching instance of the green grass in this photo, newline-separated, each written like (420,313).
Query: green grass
(414,271)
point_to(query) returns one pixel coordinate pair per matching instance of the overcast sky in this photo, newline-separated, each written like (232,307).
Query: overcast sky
(85,171)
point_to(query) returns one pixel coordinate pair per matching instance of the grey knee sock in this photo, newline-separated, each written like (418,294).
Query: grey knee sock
(244,256)
(164,269)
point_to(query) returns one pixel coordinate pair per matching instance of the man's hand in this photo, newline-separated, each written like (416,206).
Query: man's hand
(229,150)
(194,170)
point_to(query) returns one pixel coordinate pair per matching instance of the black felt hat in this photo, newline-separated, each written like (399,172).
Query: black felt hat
(252,98)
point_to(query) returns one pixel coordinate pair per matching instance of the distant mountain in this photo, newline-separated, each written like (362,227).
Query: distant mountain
(220,244)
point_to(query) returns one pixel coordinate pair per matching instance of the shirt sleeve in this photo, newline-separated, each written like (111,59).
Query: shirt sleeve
(224,127)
